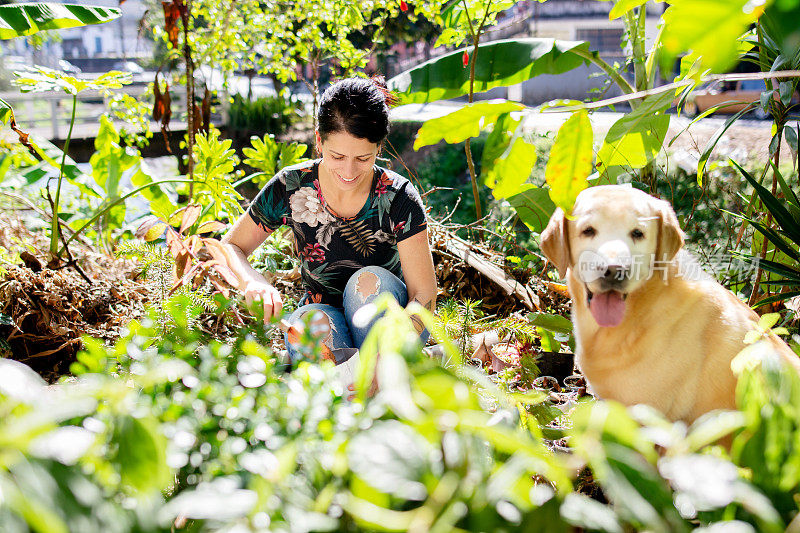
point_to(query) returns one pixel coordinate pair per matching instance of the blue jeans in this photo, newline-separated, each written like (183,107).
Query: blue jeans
(362,288)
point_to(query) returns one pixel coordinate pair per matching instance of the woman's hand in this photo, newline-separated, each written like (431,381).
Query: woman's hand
(260,292)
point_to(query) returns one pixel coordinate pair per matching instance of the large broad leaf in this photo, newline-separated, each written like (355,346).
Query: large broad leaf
(512,169)
(497,64)
(18,20)
(570,161)
(636,138)
(708,27)
(467,122)
(534,206)
(5,112)
(623,6)
(140,454)
(779,22)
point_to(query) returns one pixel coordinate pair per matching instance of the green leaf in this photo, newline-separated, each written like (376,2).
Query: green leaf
(462,124)
(623,6)
(570,160)
(19,20)
(510,171)
(636,139)
(497,64)
(498,140)
(6,112)
(140,454)
(711,28)
(789,132)
(41,79)
(775,206)
(391,457)
(554,323)
(534,206)
(712,142)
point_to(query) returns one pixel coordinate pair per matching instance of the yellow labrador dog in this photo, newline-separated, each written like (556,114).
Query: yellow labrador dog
(650,327)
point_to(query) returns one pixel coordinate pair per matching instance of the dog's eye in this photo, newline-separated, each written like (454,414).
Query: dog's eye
(588,232)
(637,234)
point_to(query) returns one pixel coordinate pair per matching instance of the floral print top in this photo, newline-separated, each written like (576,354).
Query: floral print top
(332,248)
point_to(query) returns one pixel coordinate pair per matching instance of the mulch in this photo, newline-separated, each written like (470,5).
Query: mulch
(44,312)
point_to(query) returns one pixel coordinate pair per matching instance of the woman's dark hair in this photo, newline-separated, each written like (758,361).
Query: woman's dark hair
(358,106)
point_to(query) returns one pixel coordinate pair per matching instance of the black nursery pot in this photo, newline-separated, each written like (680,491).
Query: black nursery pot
(558,365)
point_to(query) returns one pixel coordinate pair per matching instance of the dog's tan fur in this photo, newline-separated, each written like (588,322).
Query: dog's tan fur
(678,335)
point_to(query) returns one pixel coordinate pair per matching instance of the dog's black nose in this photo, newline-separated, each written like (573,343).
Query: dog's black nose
(615,272)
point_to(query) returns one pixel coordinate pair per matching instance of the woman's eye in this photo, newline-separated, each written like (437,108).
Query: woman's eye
(337,157)
(589,232)
(637,234)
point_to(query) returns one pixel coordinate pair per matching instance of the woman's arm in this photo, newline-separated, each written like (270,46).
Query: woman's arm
(417,264)
(244,237)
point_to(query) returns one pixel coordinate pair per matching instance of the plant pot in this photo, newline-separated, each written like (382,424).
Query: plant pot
(576,383)
(558,365)
(546,384)
(504,355)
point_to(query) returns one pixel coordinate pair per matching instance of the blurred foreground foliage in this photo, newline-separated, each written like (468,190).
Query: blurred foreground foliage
(171,431)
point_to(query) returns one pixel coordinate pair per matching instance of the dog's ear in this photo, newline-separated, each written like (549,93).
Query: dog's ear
(555,243)
(670,235)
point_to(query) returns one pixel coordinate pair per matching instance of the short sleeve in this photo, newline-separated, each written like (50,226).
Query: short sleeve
(270,208)
(407,213)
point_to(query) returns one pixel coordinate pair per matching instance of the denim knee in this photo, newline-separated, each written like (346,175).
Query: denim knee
(338,335)
(362,288)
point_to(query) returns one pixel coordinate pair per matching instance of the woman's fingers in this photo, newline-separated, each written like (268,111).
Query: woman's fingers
(267,296)
(272,303)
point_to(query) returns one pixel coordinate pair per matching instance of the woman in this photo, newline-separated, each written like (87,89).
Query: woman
(360,230)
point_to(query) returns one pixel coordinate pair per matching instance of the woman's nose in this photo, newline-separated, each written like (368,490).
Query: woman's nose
(350,169)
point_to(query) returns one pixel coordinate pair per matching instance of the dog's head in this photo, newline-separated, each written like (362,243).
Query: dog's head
(615,238)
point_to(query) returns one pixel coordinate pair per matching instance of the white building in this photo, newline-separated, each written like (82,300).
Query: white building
(96,47)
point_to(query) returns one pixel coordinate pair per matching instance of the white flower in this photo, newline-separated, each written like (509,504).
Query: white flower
(307,208)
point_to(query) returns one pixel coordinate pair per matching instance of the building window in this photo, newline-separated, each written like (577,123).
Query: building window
(601,39)
(98,45)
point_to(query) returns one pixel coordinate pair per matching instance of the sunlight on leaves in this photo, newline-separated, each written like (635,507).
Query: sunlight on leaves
(570,161)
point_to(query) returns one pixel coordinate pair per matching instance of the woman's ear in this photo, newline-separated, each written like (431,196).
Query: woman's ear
(318,139)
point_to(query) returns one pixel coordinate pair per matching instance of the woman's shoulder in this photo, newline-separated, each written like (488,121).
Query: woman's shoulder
(303,166)
(293,177)
(389,179)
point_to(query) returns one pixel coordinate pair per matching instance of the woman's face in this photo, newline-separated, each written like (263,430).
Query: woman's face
(348,160)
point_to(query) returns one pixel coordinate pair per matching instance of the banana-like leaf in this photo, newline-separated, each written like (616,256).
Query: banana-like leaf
(570,160)
(497,64)
(5,112)
(636,138)
(534,206)
(467,122)
(623,6)
(708,27)
(18,20)
(510,171)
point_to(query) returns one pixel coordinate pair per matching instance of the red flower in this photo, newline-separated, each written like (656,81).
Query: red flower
(465,59)
(314,253)
(403,6)
(383,184)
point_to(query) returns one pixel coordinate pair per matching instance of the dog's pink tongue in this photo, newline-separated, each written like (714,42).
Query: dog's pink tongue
(607,308)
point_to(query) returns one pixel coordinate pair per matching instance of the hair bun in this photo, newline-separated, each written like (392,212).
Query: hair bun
(389,97)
